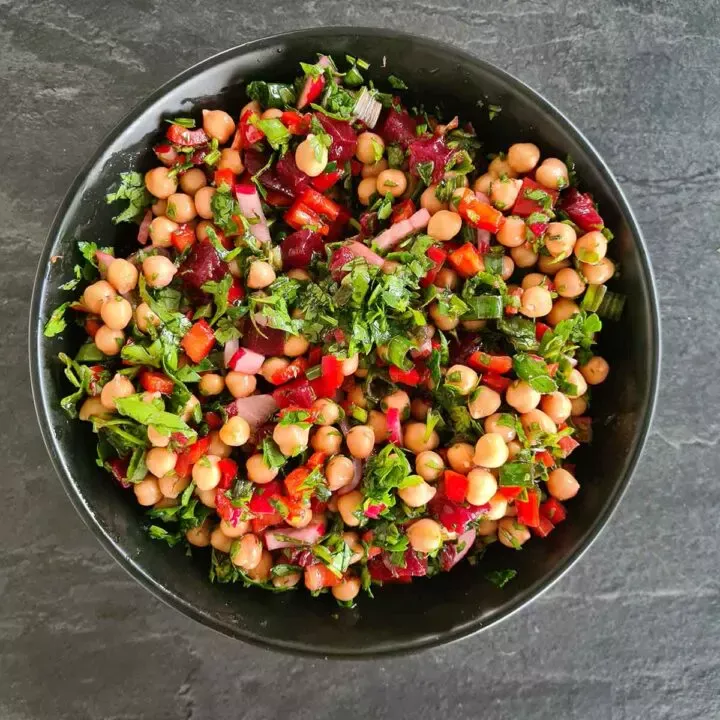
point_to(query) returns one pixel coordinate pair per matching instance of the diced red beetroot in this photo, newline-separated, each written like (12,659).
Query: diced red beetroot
(254,160)
(201,265)
(292,179)
(344,138)
(399,128)
(581,209)
(300,556)
(450,555)
(270,342)
(339,259)
(453,516)
(298,393)
(198,157)
(369,225)
(415,565)
(380,573)
(166,154)
(118,468)
(299,247)
(431,149)
(374,511)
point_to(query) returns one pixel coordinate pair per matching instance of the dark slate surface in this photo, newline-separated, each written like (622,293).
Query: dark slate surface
(632,632)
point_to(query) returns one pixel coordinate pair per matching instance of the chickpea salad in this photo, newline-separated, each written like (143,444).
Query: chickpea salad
(343,346)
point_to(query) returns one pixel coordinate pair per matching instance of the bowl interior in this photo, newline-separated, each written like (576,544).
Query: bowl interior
(403,617)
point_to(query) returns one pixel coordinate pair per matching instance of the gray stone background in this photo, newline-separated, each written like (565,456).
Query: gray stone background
(632,632)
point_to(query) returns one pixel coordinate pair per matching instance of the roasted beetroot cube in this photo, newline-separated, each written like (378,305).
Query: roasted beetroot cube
(299,247)
(399,128)
(343,137)
(201,265)
(430,149)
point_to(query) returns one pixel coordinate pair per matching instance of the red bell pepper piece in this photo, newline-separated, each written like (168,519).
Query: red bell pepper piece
(260,501)
(456,486)
(213,420)
(92,325)
(299,393)
(320,204)
(332,369)
(510,491)
(355,167)
(513,308)
(479,214)
(545,458)
(179,135)
(553,510)
(249,133)
(485,362)
(317,459)
(236,292)
(466,260)
(300,216)
(326,180)
(402,211)
(496,382)
(225,176)
(183,237)
(318,576)
(311,90)
(438,257)
(525,206)
(581,209)
(529,510)
(228,472)
(567,444)
(297,123)
(406,377)
(198,341)
(540,329)
(166,154)
(544,527)
(156,382)
(119,469)
(275,198)
(296,369)
(294,483)
(314,356)
(189,457)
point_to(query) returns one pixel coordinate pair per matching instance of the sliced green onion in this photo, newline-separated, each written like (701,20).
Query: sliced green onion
(612,306)
(313,372)
(593,297)
(359,414)
(484,307)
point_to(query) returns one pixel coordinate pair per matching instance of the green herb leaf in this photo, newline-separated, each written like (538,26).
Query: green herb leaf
(56,323)
(132,188)
(272,95)
(534,372)
(148,414)
(500,578)
(183,122)
(425,171)
(277,135)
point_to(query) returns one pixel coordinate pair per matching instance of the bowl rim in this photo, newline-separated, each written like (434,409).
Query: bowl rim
(128,563)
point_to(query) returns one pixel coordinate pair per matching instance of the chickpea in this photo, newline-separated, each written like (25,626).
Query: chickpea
(460,456)
(206,497)
(483,183)
(271,366)
(378,422)
(504,192)
(418,495)
(161,230)
(360,441)
(595,370)
(575,378)
(490,451)
(486,528)
(211,384)
(370,147)
(391,181)
(118,387)
(156,438)
(498,507)
(484,401)
(144,317)
(299,274)
(551,265)
(425,535)
(553,174)
(414,438)
(240,384)
(562,309)
(352,540)
(578,406)
(374,169)
(356,396)
(206,472)
(523,255)
(235,432)
(482,486)
(160,182)
(350,365)
(203,202)
(171,486)
(442,322)
(508,268)
(220,541)
(523,157)
(569,283)
(339,471)
(235,531)
(447,279)
(462,378)
(521,396)
(159,207)
(258,471)
(536,302)
(536,423)
(419,409)
(389,267)
(272,114)
(311,157)
(600,273)
(556,406)
(122,275)
(511,533)
(295,345)
(430,202)
(116,313)
(493,425)
(109,341)
(366,189)
(399,400)
(93,407)
(591,247)
(499,166)
(444,225)
(260,275)
(180,208)
(147,492)
(349,507)
(191,181)
(158,271)
(429,465)
(230,160)
(560,239)
(97,294)
(160,461)
(327,411)
(199,536)
(247,552)
(562,485)
(514,447)
(291,439)
(217,446)
(347,590)
(218,124)
(261,572)
(512,232)
(327,439)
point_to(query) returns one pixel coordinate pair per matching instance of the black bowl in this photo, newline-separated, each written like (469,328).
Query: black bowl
(400,618)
